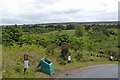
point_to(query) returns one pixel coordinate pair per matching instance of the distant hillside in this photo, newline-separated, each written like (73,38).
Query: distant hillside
(83,23)
(89,23)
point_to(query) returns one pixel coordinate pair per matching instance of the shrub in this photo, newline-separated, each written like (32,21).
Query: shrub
(51,48)
(18,68)
(79,56)
(11,35)
(62,62)
(64,51)
(60,39)
(76,44)
(79,30)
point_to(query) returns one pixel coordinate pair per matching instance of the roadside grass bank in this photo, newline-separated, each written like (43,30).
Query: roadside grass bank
(75,65)
(49,44)
(13,64)
(0,61)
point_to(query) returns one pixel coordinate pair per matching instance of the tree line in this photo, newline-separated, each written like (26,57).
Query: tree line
(20,35)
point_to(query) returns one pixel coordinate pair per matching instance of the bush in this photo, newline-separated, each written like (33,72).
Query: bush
(62,62)
(64,51)
(11,35)
(51,48)
(18,68)
(79,56)
(60,39)
(79,30)
(70,26)
(76,44)
(119,59)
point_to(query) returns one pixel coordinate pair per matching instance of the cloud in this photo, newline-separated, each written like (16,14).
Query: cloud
(46,11)
(119,11)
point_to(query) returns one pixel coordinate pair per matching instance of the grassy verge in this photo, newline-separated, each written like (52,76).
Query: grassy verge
(12,59)
(0,61)
(75,65)
(13,64)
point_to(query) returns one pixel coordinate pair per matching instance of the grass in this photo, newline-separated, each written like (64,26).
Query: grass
(0,61)
(82,64)
(13,62)
(12,58)
(69,32)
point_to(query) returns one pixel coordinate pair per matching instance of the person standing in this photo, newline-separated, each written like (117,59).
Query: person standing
(25,62)
(111,57)
(69,57)
(91,57)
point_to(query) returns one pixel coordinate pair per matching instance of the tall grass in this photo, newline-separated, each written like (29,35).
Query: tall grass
(13,57)
(0,61)
(13,61)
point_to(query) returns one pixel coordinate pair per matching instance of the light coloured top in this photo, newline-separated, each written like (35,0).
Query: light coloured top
(69,58)
(111,57)
(91,57)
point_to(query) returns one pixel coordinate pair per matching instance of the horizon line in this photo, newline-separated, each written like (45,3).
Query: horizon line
(65,22)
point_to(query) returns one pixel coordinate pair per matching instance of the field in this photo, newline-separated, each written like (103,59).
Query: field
(96,43)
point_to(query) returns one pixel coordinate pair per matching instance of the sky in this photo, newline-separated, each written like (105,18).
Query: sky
(54,11)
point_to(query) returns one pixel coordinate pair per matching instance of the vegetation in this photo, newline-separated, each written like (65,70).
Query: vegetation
(54,42)
(79,30)
(0,53)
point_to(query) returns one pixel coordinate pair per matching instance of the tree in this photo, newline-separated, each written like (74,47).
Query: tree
(64,51)
(87,28)
(90,45)
(77,44)
(59,27)
(51,48)
(79,30)
(11,35)
(70,26)
(61,39)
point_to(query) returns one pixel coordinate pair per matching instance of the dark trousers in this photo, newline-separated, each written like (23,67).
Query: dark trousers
(68,61)
(91,59)
(110,59)
(25,70)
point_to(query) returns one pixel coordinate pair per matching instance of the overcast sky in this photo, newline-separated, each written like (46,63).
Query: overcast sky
(49,11)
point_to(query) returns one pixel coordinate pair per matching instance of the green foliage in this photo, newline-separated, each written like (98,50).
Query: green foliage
(0,35)
(59,27)
(51,48)
(99,41)
(64,51)
(106,32)
(112,32)
(87,28)
(90,45)
(79,56)
(11,35)
(44,41)
(18,67)
(62,62)
(76,44)
(61,39)
(70,26)
(99,38)
(79,30)
(28,39)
